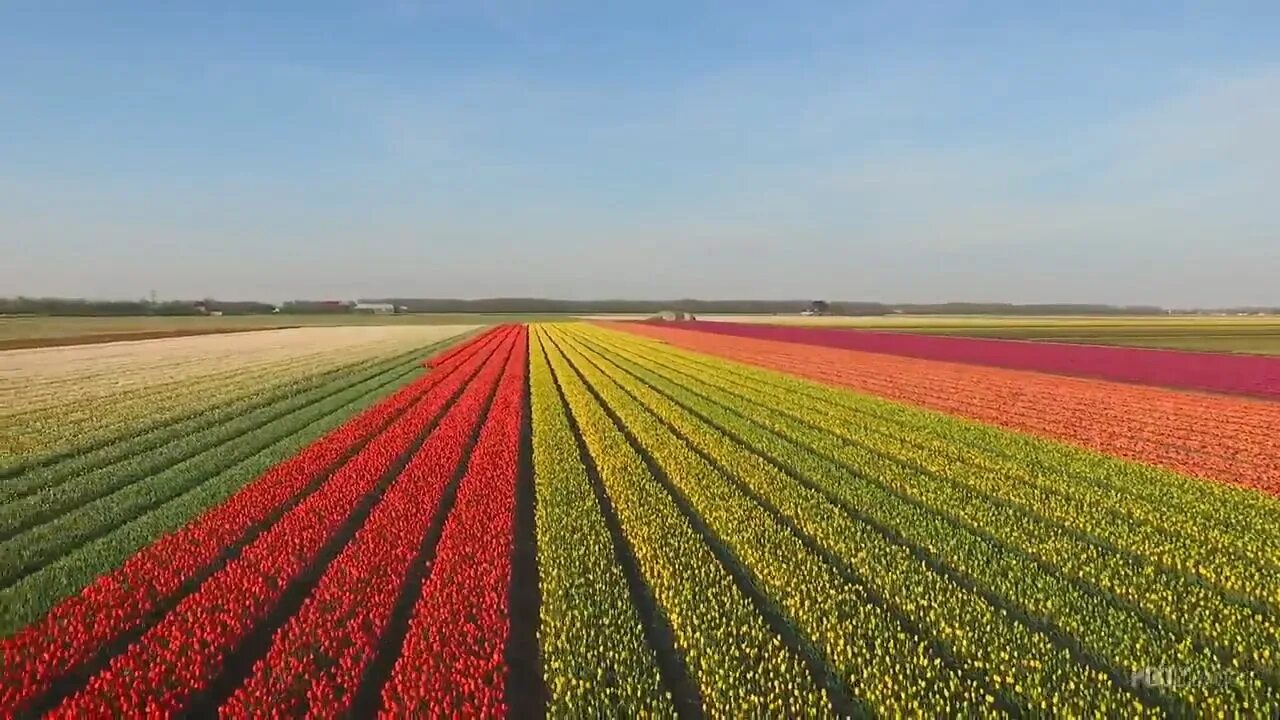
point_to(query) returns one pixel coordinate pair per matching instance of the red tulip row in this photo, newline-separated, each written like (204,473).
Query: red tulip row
(452,661)
(317,659)
(447,356)
(76,629)
(178,657)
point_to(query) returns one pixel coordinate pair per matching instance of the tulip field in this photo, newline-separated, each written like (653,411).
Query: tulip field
(628,519)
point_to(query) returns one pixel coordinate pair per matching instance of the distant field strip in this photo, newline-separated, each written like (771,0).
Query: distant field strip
(1250,375)
(59,401)
(1047,590)
(1231,440)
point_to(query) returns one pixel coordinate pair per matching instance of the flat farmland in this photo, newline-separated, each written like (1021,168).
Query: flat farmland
(1239,334)
(54,400)
(18,331)
(599,519)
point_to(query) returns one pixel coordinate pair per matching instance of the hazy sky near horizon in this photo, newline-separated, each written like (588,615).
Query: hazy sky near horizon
(1123,152)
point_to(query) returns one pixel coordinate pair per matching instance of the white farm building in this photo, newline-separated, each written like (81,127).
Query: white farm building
(374,308)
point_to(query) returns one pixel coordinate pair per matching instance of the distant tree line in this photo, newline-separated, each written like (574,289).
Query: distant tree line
(76,306)
(751,307)
(81,307)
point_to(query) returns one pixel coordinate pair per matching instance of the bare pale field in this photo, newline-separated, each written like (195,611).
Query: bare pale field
(56,397)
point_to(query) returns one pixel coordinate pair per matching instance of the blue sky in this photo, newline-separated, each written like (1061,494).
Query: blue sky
(1024,152)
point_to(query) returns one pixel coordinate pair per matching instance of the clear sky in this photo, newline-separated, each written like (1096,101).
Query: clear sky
(991,151)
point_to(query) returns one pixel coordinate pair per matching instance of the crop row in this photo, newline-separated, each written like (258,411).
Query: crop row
(876,658)
(1005,556)
(1216,372)
(54,399)
(42,548)
(1233,596)
(317,660)
(175,661)
(142,490)
(1170,413)
(82,422)
(1238,564)
(452,660)
(971,631)
(107,369)
(142,398)
(33,595)
(595,658)
(1252,519)
(739,665)
(55,471)
(75,631)
(193,449)
(1130,422)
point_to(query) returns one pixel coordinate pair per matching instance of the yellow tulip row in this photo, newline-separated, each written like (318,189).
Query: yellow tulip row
(1009,556)
(594,655)
(879,660)
(740,667)
(1014,662)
